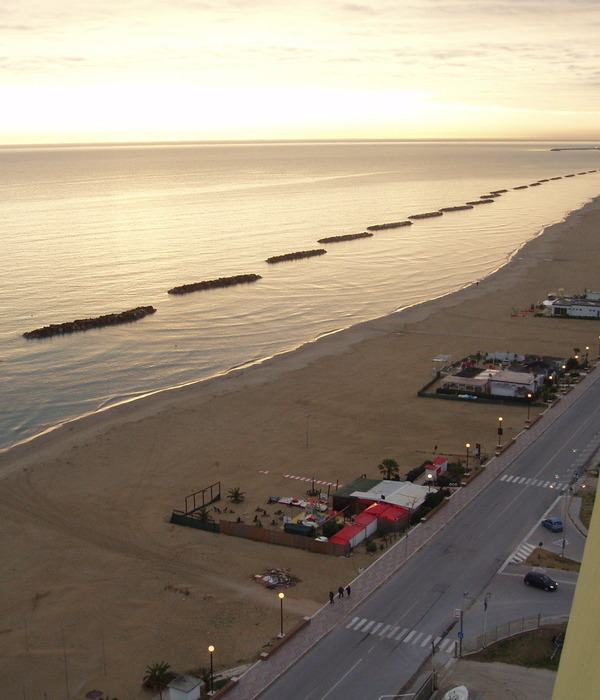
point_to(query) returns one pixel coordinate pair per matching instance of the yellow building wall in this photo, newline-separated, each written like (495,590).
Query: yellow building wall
(578,676)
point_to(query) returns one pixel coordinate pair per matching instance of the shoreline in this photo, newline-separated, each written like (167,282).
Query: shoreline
(146,404)
(90,553)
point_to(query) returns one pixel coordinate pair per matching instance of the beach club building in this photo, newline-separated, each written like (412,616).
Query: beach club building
(515,384)
(384,505)
(437,467)
(589,307)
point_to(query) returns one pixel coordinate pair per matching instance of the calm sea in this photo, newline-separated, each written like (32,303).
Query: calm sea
(94,230)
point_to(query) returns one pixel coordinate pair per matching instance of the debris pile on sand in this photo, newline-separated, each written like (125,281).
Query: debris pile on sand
(273,578)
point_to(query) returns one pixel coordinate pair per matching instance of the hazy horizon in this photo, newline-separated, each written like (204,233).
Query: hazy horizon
(256,70)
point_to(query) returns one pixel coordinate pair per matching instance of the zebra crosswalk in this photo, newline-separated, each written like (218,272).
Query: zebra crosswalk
(540,483)
(397,633)
(521,553)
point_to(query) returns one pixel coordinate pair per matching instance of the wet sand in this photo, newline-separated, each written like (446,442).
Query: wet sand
(94,572)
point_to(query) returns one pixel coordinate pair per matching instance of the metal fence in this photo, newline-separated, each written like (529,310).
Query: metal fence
(509,629)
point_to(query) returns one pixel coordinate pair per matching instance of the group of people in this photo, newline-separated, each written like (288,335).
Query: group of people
(341,591)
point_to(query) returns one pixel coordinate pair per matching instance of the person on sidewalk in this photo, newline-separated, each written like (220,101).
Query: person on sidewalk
(340,592)
(348,590)
(331,596)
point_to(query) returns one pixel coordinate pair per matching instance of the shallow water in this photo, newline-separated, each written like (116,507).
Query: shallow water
(89,231)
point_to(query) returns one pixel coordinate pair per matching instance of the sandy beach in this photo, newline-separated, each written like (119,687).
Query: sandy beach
(94,573)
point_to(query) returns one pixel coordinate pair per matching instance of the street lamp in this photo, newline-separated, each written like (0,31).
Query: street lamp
(467,465)
(587,351)
(281,597)
(461,634)
(211,650)
(488,595)
(500,432)
(529,397)
(429,480)
(564,541)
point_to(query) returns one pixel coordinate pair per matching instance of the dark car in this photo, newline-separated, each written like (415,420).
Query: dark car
(540,580)
(553,524)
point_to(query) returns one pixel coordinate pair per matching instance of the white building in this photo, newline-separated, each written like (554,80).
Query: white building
(518,384)
(578,308)
(399,493)
(185,688)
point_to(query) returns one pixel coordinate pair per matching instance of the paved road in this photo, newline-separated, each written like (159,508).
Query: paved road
(373,649)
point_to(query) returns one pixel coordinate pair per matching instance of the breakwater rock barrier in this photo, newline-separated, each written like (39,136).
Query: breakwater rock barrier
(347,237)
(461,207)
(214,284)
(481,201)
(395,224)
(296,256)
(85,324)
(427,215)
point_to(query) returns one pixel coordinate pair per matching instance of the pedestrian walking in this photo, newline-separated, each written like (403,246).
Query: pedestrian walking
(331,596)
(340,592)
(348,590)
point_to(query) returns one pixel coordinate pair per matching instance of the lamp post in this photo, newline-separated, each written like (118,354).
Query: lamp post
(529,397)
(410,512)
(564,541)
(587,352)
(500,433)
(429,480)
(461,634)
(485,607)
(211,650)
(467,464)
(281,597)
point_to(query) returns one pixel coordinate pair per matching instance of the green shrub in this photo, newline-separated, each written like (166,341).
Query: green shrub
(331,527)
(416,472)
(370,546)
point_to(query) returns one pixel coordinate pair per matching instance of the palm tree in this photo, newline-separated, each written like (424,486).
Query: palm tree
(236,495)
(203,515)
(157,676)
(389,468)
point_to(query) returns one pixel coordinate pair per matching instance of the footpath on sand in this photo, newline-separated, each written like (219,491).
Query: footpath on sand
(309,631)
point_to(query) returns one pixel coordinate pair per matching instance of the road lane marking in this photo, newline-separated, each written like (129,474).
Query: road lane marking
(409,636)
(377,626)
(384,630)
(368,626)
(333,687)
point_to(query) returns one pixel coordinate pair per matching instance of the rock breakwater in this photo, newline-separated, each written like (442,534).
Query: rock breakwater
(427,215)
(85,324)
(346,237)
(461,207)
(296,256)
(395,224)
(214,284)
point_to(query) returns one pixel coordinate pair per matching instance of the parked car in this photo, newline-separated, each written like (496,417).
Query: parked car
(539,580)
(553,524)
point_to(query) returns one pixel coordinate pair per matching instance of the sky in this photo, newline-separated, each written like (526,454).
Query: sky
(202,70)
